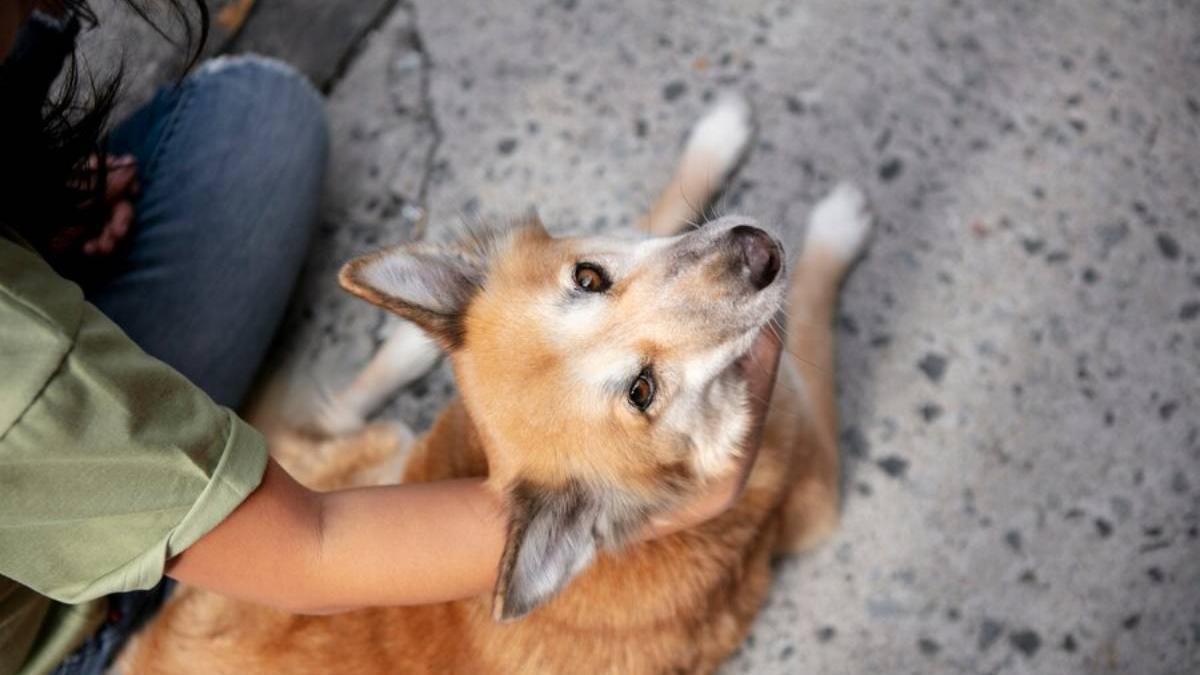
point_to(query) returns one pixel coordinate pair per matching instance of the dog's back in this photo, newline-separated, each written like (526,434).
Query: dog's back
(680,603)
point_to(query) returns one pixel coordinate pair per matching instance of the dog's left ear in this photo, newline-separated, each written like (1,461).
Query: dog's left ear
(553,535)
(428,285)
(431,284)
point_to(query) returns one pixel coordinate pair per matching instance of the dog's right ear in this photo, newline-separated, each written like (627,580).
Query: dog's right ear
(428,285)
(553,535)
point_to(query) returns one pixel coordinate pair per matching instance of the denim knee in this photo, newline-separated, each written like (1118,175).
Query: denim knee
(273,94)
(232,164)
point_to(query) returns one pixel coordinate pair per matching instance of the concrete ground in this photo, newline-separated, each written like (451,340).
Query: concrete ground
(1019,355)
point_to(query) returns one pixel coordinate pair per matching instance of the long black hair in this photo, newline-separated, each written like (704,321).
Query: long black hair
(50,129)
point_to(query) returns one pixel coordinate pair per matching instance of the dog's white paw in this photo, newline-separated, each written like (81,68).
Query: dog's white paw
(721,137)
(841,223)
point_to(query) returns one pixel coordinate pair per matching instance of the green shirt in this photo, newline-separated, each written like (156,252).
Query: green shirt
(111,463)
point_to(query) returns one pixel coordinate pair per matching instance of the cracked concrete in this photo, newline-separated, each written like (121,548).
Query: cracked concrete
(1018,383)
(1018,353)
(386,137)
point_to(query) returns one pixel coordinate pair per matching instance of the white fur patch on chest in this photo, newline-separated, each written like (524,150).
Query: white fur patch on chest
(713,416)
(717,448)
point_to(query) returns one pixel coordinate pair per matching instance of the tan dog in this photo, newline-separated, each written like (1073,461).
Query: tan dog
(597,390)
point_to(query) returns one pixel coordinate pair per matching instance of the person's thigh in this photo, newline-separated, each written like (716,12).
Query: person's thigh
(231,164)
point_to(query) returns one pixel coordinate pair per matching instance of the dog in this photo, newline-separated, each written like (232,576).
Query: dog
(597,388)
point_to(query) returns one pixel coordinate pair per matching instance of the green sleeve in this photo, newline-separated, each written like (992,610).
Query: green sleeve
(111,462)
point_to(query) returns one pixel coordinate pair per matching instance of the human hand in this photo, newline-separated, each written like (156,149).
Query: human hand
(120,188)
(759,366)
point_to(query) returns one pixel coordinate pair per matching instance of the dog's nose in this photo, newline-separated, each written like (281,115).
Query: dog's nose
(759,252)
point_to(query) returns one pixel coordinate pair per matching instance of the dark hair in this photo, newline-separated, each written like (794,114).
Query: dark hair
(49,132)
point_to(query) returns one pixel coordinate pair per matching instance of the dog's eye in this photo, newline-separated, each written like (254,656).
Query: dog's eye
(591,278)
(641,392)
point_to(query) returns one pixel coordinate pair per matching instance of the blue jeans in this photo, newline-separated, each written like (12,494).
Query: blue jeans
(231,163)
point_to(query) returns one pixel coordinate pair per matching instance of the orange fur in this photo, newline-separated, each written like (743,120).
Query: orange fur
(681,603)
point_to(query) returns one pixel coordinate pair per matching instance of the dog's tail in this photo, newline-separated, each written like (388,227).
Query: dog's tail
(714,148)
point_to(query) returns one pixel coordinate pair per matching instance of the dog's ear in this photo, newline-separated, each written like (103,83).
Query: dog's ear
(428,285)
(553,534)
(432,285)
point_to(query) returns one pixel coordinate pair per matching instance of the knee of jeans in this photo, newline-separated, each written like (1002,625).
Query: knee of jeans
(276,96)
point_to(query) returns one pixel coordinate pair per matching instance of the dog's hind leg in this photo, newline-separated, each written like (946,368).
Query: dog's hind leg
(714,148)
(837,232)
(406,355)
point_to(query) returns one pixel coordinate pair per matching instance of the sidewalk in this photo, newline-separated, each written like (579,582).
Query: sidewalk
(1019,353)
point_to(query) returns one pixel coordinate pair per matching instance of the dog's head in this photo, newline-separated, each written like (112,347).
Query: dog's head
(598,371)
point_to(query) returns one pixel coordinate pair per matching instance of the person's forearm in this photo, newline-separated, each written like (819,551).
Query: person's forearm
(446,544)
(294,549)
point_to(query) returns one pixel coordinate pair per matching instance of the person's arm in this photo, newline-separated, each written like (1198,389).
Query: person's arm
(310,552)
(304,551)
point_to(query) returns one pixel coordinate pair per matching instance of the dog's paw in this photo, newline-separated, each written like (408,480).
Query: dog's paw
(841,223)
(721,137)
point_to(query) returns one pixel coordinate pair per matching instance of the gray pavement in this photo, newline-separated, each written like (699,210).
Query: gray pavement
(1019,353)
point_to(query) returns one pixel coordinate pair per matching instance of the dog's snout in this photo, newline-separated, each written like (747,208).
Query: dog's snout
(760,254)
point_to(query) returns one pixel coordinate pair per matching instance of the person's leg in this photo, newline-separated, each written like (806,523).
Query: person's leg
(231,164)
